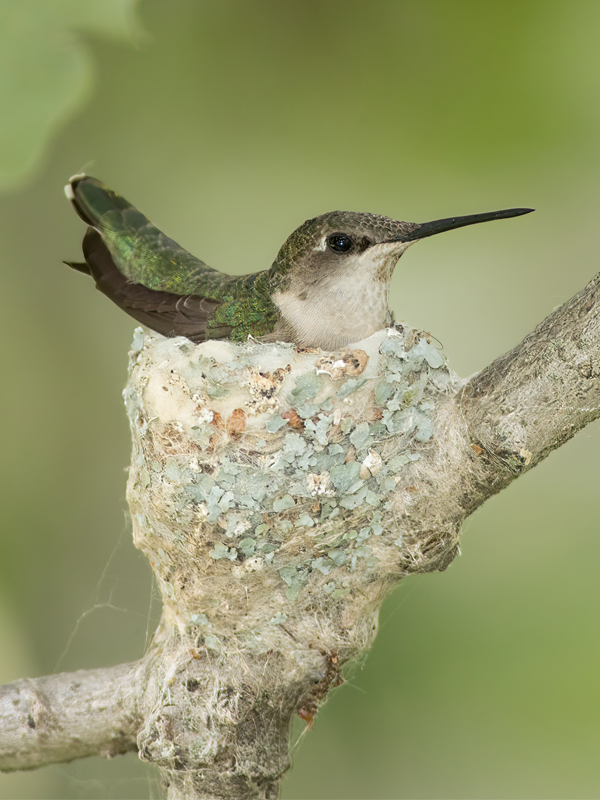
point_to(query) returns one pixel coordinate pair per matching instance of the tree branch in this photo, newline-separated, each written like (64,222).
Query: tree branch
(280,495)
(72,715)
(537,396)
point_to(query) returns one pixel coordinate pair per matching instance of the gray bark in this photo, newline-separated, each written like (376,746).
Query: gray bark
(61,717)
(279,496)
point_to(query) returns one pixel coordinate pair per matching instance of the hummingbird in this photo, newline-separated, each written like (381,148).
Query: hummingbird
(327,288)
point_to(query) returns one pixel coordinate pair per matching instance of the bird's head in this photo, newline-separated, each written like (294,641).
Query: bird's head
(335,271)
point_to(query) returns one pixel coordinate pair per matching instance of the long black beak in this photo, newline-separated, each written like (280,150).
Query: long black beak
(440,225)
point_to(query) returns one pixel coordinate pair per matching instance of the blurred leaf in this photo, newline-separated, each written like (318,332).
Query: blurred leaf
(46,72)
(112,18)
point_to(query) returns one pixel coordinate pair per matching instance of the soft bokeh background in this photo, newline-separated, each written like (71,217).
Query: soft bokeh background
(229,123)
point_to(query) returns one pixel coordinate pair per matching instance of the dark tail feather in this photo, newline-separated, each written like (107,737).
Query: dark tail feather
(78,266)
(166,313)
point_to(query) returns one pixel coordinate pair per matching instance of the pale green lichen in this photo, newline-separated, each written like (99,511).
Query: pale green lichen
(275,423)
(305,521)
(247,547)
(199,619)
(320,428)
(222,551)
(432,355)
(350,386)
(337,556)
(361,436)
(307,387)
(285,502)
(321,565)
(344,477)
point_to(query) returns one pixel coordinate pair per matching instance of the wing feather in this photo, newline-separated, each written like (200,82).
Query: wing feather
(165,312)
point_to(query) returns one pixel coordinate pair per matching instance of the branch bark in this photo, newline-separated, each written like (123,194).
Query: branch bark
(72,715)
(537,396)
(279,496)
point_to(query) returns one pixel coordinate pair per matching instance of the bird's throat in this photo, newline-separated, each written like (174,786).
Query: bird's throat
(335,312)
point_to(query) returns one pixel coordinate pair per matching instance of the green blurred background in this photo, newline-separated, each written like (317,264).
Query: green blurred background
(229,123)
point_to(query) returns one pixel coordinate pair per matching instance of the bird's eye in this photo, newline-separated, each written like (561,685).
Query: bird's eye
(339,242)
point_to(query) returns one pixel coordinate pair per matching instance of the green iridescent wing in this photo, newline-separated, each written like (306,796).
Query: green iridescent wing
(141,252)
(157,282)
